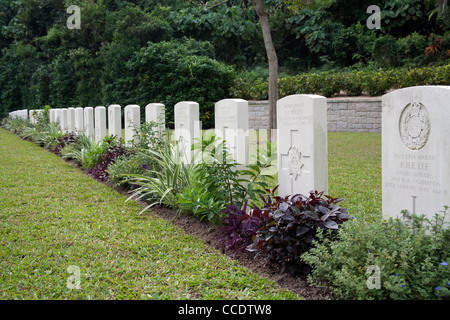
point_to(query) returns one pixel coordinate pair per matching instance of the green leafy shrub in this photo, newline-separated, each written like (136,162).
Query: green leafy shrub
(385,51)
(15,124)
(78,148)
(411,255)
(147,136)
(352,83)
(42,118)
(377,83)
(440,76)
(331,84)
(116,148)
(412,48)
(89,153)
(180,70)
(290,85)
(137,161)
(249,88)
(62,141)
(200,202)
(416,77)
(218,180)
(52,134)
(134,163)
(30,133)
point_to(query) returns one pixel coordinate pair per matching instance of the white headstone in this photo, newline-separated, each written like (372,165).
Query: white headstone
(51,115)
(302,144)
(115,120)
(89,122)
(71,120)
(57,119)
(100,123)
(187,127)
(79,120)
(231,124)
(156,112)
(416,151)
(23,114)
(32,116)
(132,120)
(64,117)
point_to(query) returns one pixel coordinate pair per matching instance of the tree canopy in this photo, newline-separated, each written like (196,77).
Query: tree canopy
(126,48)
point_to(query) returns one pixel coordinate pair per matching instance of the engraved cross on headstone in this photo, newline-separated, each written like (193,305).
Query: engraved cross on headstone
(292,160)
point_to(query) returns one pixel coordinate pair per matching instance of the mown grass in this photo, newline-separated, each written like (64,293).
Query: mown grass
(52,216)
(354,172)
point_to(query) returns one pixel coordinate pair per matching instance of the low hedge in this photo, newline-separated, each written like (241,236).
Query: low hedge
(353,83)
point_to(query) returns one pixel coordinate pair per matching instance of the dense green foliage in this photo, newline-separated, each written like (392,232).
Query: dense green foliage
(249,85)
(144,51)
(403,258)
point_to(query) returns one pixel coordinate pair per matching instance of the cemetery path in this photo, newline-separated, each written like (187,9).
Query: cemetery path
(67,236)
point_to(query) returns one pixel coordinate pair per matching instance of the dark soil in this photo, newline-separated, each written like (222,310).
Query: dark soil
(210,234)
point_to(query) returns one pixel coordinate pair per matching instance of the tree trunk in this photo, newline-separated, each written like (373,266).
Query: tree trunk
(273,62)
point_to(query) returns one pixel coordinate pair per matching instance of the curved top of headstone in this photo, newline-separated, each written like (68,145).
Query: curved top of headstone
(302,96)
(232,100)
(186,102)
(155,104)
(417,88)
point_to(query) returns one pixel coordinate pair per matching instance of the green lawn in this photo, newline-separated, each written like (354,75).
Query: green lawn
(52,216)
(354,172)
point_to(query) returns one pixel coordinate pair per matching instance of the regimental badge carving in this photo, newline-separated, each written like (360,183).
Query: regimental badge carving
(295,162)
(414,125)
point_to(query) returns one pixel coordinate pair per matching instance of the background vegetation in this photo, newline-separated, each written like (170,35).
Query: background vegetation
(144,51)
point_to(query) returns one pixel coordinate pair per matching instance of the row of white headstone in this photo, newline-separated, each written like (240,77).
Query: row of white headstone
(301,137)
(415,141)
(19,114)
(93,121)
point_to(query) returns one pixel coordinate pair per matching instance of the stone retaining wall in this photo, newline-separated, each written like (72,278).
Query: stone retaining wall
(360,114)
